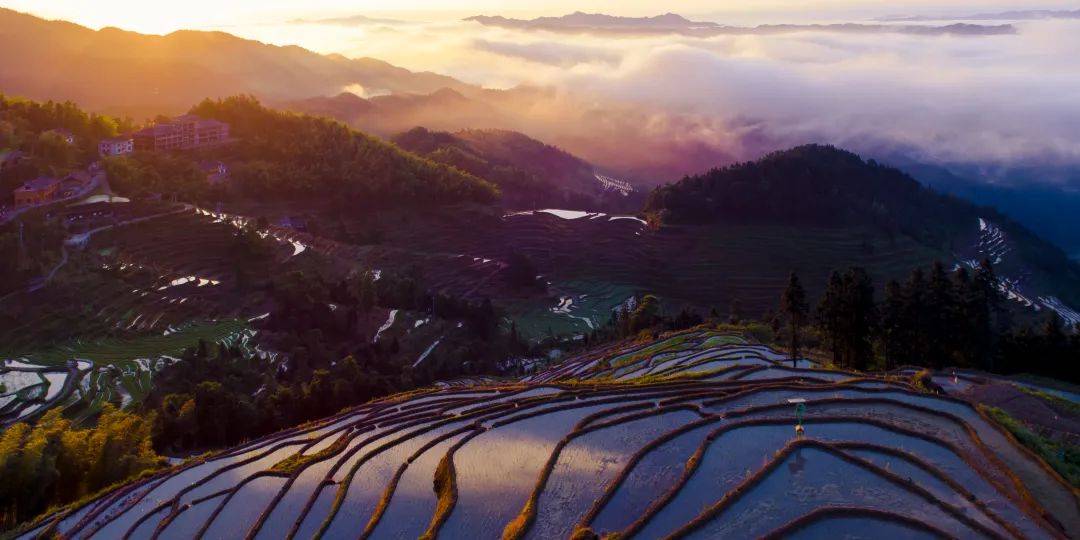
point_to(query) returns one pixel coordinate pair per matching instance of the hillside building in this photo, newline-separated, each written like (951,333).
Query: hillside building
(182,133)
(36,191)
(74,183)
(116,146)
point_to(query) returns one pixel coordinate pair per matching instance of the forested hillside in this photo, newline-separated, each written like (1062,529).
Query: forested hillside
(813,185)
(530,173)
(283,155)
(823,186)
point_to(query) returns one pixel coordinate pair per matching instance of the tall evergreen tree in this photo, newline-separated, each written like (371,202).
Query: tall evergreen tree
(912,322)
(860,318)
(968,314)
(994,321)
(939,316)
(847,317)
(893,330)
(793,306)
(829,312)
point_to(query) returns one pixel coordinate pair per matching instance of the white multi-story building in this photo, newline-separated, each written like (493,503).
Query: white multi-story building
(116,146)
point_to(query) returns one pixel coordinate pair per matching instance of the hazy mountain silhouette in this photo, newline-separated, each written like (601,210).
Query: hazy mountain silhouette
(120,71)
(671,23)
(1015,15)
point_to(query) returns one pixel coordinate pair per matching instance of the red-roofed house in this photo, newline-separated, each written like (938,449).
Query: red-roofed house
(36,191)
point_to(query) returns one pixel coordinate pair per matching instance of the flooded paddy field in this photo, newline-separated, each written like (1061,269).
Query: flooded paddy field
(675,450)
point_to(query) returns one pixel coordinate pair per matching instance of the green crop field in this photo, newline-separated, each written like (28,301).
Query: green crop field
(114,350)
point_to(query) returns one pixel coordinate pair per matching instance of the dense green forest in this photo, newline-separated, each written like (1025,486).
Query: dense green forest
(143,174)
(279,155)
(934,318)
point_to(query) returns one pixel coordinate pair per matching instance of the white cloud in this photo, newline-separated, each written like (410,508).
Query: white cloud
(998,99)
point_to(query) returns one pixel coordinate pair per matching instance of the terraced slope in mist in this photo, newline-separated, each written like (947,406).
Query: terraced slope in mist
(690,436)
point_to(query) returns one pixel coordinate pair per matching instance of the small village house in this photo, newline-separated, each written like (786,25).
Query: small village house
(37,191)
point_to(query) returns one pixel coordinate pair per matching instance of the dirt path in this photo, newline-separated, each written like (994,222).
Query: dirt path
(82,238)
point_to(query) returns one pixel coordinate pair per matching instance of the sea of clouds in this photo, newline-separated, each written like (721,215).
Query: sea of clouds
(994,100)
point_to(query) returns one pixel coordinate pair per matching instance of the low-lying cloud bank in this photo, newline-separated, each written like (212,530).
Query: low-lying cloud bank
(663,105)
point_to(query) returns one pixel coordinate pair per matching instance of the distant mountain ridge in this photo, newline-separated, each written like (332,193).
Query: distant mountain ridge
(580,19)
(579,22)
(115,70)
(1014,15)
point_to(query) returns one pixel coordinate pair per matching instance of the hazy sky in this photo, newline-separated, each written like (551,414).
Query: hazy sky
(164,16)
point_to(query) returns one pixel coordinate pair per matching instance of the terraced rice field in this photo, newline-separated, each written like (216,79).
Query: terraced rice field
(576,307)
(692,436)
(137,297)
(701,266)
(82,377)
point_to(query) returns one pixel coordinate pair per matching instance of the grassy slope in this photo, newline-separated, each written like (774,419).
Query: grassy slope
(1065,459)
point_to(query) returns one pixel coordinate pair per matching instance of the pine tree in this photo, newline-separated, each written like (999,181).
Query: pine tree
(939,315)
(860,318)
(829,312)
(994,319)
(892,328)
(967,317)
(912,321)
(793,305)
